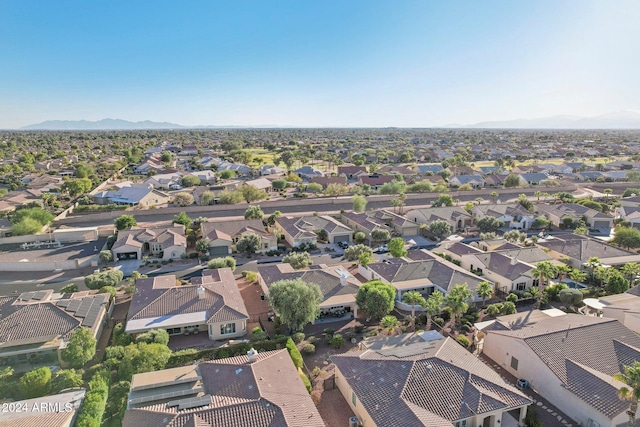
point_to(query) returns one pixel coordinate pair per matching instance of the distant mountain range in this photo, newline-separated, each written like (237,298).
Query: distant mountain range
(618,120)
(104,124)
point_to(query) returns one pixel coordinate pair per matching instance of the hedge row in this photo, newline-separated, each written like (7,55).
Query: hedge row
(294,353)
(190,355)
(95,401)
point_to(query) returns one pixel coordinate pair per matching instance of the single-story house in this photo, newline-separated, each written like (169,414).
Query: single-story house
(134,195)
(211,304)
(271,170)
(513,215)
(224,234)
(261,184)
(338,287)
(475,181)
(505,272)
(425,275)
(631,214)
(624,307)
(457,217)
(58,410)
(327,180)
(398,223)
(577,250)
(258,390)
(569,359)
(308,172)
(36,326)
(424,380)
(594,218)
(350,171)
(533,178)
(375,181)
(299,230)
(163,242)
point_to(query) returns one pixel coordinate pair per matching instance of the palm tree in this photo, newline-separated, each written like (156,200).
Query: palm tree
(433,306)
(414,298)
(606,192)
(484,291)
(577,275)
(631,271)
(395,203)
(544,271)
(457,301)
(494,196)
(593,263)
(563,271)
(389,322)
(631,377)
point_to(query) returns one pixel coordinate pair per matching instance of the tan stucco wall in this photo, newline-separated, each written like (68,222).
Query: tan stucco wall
(214,330)
(530,367)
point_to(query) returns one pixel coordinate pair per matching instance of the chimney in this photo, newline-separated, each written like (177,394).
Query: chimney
(514,261)
(200,292)
(343,277)
(252,355)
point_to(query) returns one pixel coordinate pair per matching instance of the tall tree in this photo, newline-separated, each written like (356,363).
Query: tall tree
(457,301)
(376,298)
(631,391)
(80,348)
(414,298)
(249,243)
(396,247)
(484,291)
(296,302)
(544,271)
(254,212)
(125,221)
(433,306)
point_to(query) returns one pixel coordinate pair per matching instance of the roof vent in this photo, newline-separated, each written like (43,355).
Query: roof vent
(514,261)
(200,292)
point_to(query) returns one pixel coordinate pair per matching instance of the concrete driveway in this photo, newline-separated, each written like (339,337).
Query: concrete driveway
(128,266)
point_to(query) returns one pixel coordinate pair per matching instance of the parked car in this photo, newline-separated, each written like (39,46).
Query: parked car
(343,245)
(381,249)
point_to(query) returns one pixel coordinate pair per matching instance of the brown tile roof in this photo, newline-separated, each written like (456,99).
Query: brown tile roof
(265,393)
(566,345)
(222,300)
(432,387)
(235,227)
(582,247)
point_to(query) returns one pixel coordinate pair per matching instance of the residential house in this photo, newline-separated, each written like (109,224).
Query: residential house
(375,181)
(362,222)
(140,195)
(162,242)
(624,307)
(457,217)
(271,170)
(577,249)
(211,304)
(532,178)
(351,171)
(455,250)
(36,326)
(224,234)
(261,184)
(165,181)
(514,216)
(632,201)
(304,230)
(338,287)
(424,380)
(327,180)
(425,274)
(308,172)
(205,176)
(631,214)
(505,272)
(593,218)
(57,410)
(495,179)
(239,168)
(588,176)
(394,170)
(569,359)
(148,165)
(432,169)
(488,170)
(475,181)
(400,225)
(257,390)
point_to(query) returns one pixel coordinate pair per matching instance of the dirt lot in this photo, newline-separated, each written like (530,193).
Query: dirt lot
(257,307)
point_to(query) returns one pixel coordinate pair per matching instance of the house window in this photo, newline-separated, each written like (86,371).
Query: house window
(354,399)
(462,423)
(521,286)
(514,363)
(173,331)
(229,328)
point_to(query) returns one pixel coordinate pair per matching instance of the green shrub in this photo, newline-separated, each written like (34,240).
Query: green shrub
(95,401)
(104,278)
(463,340)
(336,341)
(312,339)
(222,262)
(252,276)
(108,290)
(305,380)
(35,383)
(512,298)
(294,353)
(309,349)
(120,337)
(298,337)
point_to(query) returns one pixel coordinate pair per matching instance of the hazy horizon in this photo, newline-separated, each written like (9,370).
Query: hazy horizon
(331,64)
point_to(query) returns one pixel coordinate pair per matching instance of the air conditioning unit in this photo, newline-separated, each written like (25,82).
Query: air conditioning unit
(354,422)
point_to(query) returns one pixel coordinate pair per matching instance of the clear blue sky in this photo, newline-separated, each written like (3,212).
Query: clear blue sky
(316,63)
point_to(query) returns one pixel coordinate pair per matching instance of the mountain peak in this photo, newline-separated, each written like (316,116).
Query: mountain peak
(104,124)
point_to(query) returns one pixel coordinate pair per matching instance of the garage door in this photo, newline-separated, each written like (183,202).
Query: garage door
(601,224)
(128,255)
(341,239)
(219,250)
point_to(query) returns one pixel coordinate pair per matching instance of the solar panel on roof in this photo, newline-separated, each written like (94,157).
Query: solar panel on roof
(91,317)
(84,307)
(26,296)
(194,402)
(73,305)
(63,303)
(40,294)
